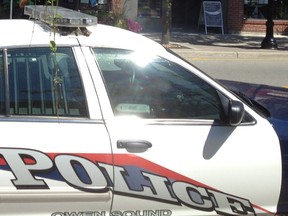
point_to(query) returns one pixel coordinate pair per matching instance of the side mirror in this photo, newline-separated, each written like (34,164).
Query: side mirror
(235,113)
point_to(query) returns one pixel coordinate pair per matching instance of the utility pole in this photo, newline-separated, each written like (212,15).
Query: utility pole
(166,21)
(269,41)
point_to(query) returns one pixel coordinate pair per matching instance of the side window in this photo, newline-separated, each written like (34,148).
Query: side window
(44,84)
(152,87)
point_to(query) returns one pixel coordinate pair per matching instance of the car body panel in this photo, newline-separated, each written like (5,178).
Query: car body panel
(209,167)
(103,164)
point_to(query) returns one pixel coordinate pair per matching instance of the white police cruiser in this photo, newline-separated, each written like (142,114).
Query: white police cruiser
(100,121)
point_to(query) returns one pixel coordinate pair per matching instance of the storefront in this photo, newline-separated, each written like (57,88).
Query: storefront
(255,15)
(185,14)
(238,15)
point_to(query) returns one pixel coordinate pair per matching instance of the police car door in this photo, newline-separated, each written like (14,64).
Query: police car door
(176,151)
(55,151)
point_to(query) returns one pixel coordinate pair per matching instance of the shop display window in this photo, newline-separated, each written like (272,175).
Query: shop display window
(258,9)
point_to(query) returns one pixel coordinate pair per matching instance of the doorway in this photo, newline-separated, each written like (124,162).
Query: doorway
(185,14)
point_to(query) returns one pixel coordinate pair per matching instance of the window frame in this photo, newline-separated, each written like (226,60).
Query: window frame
(256,9)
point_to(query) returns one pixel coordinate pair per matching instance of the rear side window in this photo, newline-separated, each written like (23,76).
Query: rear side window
(41,83)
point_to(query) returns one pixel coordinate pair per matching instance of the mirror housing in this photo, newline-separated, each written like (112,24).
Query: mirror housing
(235,113)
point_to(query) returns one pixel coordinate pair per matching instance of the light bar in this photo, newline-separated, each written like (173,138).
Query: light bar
(62,17)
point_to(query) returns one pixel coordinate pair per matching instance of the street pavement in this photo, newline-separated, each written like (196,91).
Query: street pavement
(191,45)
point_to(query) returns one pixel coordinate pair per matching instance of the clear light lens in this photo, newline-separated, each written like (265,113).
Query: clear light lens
(60,16)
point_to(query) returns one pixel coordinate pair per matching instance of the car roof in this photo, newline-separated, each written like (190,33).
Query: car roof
(23,32)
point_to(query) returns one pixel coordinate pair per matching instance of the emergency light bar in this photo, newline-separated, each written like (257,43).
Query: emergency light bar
(59,16)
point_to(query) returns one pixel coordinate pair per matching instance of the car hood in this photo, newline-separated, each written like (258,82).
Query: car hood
(273,99)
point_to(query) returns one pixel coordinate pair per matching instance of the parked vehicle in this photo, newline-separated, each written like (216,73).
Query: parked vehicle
(274,102)
(97,120)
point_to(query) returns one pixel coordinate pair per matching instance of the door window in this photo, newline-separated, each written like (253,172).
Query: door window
(152,87)
(42,83)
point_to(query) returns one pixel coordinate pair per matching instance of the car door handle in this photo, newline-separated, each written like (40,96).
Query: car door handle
(134,145)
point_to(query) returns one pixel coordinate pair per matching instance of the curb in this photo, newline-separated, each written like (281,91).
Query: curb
(233,54)
(194,55)
(193,46)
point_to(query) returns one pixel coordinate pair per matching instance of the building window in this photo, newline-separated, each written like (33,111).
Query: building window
(258,9)
(149,8)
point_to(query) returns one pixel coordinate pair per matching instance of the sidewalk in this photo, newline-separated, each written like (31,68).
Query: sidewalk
(217,46)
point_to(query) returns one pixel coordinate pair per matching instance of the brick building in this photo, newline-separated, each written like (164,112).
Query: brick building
(238,15)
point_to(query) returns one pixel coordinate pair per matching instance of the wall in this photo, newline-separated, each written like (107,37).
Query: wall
(235,12)
(130,8)
(259,25)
